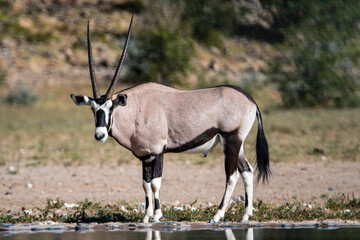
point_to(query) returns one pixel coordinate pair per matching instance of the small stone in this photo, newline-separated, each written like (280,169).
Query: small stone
(12,170)
(331,189)
(239,198)
(29,185)
(141,206)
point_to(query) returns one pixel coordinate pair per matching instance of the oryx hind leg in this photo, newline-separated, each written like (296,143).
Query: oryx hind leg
(247,173)
(152,172)
(245,168)
(231,144)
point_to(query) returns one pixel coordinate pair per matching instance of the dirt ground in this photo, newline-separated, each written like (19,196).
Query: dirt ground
(183,182)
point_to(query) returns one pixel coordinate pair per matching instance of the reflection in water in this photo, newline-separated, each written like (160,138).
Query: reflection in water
(157,235)
(228,233)
(214,234)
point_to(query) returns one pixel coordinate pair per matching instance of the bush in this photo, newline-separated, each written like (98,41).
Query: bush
(321,54)
(2,76)
(21,95)
(210,19)
(163,48)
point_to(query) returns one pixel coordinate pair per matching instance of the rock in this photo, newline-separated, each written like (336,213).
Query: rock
(70,205)
(12,170)
(29,185)
(331,189)
(238,198)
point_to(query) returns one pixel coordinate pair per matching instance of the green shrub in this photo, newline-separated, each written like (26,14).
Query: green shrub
(321,55)
(2,76)
(21,95)
(163,48)
(210,19)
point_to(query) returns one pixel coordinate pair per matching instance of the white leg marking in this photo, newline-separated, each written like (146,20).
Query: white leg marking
(230,186)
(149,208)
(155,186)
(248,185)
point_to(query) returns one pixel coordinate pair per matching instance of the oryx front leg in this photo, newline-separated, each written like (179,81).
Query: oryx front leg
(155,186)
(152,172)
(148,202)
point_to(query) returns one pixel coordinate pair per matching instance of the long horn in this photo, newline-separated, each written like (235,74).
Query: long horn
(111,89)
(91,65)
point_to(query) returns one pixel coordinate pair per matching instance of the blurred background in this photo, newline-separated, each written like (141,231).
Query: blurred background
(298,59)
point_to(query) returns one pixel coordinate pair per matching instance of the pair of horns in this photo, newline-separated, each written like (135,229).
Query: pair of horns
(111,89)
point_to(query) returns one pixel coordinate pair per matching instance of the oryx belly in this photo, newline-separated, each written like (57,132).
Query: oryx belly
(206,147)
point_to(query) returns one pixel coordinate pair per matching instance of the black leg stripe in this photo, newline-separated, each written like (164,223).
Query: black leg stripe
(246,200)
(157,204)
(147,203)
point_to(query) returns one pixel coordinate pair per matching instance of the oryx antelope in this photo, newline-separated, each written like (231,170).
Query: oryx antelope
(152,119)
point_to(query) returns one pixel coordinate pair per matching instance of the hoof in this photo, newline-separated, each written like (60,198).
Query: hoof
(213,222)
(245,218)
(146,219)
(157,218)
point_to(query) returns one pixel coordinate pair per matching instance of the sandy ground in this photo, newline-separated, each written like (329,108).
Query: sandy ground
(183,182)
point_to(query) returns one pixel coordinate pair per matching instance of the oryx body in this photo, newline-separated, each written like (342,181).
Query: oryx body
(152,119)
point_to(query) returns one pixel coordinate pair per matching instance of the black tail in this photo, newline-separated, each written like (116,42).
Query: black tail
(262,152)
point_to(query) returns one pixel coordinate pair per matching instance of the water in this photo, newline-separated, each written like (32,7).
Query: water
(226,234)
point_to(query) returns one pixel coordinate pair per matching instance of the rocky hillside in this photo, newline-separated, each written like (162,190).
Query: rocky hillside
(43,45)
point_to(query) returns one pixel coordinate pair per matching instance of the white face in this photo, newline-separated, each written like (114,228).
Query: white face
(103,109)
(103,118)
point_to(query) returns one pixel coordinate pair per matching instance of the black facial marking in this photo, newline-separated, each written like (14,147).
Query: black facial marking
(100,118)
(198,141)
(157,204)
(101,100)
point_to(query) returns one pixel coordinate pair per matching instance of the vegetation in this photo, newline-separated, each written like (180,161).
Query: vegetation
(341,207)
(163,48)
(21,95)
(319,53)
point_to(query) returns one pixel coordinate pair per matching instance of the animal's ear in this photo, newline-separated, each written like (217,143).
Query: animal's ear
(120,99)
(81,100)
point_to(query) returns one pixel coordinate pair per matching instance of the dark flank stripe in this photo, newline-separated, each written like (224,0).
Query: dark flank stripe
(198,141)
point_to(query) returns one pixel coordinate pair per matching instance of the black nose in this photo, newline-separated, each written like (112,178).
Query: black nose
(99,136)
